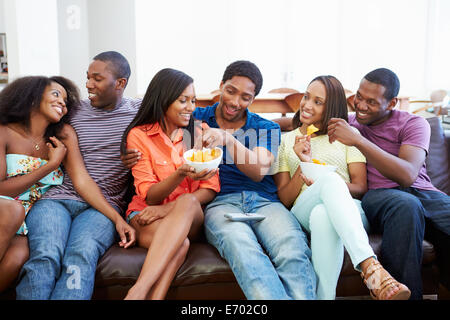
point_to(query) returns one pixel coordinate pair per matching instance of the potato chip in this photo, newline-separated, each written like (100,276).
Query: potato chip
(207,157)
(198,156)
(318,162)
(204,155)
(311,129)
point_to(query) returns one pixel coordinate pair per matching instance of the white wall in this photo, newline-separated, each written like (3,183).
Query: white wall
(74,41)
(180,35)
(32,37)
(87,28)
(2,17)
(315,41)
(292,41)
(388,34)
(438,61)
(51,37)
(201,37)
(112,27)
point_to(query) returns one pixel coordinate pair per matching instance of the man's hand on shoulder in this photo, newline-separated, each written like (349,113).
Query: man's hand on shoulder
(130,158)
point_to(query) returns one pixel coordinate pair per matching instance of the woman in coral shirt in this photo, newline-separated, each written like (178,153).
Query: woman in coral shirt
(167,208)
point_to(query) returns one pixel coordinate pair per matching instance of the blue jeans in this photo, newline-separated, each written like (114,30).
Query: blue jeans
(404,216)
(269,258)
(66,239)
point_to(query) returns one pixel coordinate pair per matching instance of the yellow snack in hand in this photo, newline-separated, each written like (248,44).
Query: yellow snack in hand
(318,162)
(311,129)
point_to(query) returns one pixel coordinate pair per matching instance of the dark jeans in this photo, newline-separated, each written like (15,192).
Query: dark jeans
(405,216)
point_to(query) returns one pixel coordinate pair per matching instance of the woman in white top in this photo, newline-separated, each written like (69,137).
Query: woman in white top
(329,208)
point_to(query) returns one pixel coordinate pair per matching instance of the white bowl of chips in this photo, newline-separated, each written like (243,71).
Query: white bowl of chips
(314,170)
(203,159)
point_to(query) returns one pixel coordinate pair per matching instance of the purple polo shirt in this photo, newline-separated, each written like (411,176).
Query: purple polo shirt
(401,128)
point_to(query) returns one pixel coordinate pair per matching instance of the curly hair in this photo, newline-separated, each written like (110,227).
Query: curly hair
(244,69)
(23,95)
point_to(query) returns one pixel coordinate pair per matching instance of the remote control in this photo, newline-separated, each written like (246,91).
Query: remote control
(244,216)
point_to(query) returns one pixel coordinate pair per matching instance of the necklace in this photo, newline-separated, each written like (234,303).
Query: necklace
(36,144)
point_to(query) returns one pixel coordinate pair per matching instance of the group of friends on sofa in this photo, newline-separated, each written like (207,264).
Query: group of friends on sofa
(65,164)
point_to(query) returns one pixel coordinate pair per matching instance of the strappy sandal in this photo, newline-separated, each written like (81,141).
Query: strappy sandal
(379,282)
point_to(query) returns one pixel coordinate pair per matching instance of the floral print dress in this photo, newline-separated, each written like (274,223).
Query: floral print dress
(19,164)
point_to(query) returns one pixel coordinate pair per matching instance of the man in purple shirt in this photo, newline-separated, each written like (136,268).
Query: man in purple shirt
(401,203)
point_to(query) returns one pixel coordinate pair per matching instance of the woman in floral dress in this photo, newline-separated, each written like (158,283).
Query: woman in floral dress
(33,111)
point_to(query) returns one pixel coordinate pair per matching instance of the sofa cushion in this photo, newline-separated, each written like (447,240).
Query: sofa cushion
(203,264)
(437,161)
(203,268)
(204,274)
(119,266)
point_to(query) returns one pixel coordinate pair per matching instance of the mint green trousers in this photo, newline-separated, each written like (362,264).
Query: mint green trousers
(334,220)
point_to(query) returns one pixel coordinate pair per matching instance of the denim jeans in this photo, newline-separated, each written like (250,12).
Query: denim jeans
(404,216)
(66,239)
(269,258)
(334,219)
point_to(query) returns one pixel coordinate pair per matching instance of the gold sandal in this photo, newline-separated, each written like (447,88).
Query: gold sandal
(379,281)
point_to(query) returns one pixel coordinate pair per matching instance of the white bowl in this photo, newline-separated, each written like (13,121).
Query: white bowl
(314,171)
(200,166)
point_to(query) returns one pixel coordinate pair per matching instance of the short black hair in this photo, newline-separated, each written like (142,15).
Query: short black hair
(244,69)
(387,79)
(120,66)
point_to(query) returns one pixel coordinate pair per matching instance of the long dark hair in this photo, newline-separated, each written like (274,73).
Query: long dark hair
(335,103)
(23,95)
(165,88)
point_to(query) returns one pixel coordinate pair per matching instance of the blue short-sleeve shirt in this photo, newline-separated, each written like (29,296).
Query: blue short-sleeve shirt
(257,132)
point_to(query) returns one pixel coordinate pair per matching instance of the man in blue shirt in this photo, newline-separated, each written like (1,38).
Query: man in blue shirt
(270,258)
